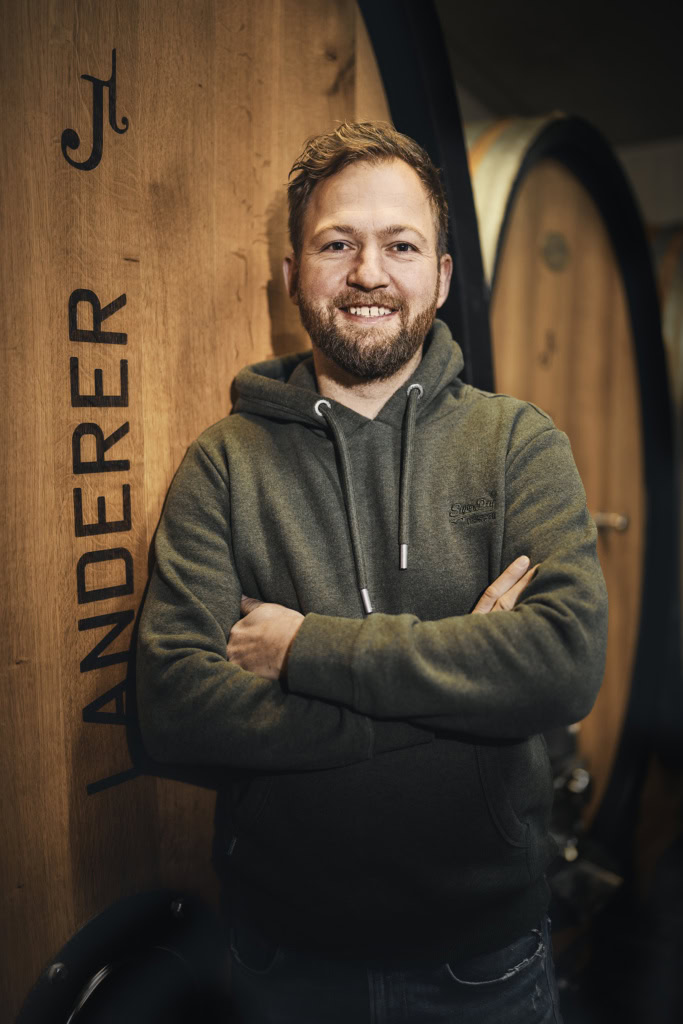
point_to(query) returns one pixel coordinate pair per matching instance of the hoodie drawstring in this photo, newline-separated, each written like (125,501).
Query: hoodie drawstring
(415,392)
(323,408)
(347,487)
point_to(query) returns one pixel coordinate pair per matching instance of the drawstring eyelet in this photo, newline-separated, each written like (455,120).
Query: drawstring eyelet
(419,387)
(321,401)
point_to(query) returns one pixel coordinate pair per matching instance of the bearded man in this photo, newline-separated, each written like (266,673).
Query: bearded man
(382,833)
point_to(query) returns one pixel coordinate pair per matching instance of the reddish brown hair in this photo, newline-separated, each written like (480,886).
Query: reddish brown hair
(373,141)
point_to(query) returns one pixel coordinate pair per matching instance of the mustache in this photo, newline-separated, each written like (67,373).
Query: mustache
(346,300)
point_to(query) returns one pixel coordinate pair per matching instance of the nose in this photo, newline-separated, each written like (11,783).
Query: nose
(367,270)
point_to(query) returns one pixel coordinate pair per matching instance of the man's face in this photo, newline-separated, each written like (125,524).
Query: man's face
(369,282)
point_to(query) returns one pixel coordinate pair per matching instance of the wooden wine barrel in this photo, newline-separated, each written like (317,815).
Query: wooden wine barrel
(147,149)
(667,250)
(575,329)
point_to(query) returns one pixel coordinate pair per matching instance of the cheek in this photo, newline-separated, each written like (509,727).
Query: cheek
(417,293)
(321,285)
(415,280)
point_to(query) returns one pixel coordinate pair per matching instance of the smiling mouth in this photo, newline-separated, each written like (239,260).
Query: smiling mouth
(373,313)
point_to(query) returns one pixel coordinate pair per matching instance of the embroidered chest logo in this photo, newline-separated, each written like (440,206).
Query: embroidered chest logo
(483,510)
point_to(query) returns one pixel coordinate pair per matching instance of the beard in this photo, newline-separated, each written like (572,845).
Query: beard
(367,352)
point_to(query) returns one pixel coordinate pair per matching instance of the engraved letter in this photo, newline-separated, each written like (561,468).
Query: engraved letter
(102,445)
(86,596)
(99,399)
(98,315)
(103,525)
(118,622)
(70,138)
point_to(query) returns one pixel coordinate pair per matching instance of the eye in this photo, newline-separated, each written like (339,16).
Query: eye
(408,247)
(331,244)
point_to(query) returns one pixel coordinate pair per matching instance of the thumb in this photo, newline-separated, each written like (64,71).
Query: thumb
(249,604)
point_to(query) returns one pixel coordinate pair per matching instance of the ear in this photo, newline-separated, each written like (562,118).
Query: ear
(290,272)
(446,263)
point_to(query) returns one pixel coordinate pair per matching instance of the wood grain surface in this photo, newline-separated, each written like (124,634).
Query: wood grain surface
(185,216)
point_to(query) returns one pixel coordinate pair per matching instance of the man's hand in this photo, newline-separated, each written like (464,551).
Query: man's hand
(502,594)
(261,640)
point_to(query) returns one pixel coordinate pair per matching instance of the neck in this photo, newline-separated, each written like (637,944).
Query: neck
(363,396)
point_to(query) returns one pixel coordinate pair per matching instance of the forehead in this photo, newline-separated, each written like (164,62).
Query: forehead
(370,195)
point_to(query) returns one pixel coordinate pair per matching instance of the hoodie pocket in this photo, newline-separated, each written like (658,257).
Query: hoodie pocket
(496,783)
(248,800)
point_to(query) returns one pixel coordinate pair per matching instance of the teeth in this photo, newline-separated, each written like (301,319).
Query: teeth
(370,310)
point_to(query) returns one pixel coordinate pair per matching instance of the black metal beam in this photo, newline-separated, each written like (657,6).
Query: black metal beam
(412,59)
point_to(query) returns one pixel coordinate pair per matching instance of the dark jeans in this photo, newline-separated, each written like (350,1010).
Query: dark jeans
(513,985)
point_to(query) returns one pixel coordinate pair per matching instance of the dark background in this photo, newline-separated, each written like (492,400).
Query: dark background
(617,64)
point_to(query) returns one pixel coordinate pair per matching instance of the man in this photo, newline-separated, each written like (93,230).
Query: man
(383,829)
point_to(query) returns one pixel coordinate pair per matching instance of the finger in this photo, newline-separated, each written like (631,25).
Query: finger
(502,584)
(514,592)
(249,604)
(233,637)
(235,644)
(508,600)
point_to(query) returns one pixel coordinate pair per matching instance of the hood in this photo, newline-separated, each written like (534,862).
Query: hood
(286,389)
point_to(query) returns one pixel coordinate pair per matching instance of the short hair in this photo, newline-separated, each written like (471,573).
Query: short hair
(351,142)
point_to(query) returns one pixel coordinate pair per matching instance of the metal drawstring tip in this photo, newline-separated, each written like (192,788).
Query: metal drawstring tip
(366,601)
(403,564)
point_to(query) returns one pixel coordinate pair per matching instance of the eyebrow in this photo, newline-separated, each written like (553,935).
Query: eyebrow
(388,232)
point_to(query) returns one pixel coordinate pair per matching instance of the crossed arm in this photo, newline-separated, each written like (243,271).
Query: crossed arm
(261,640)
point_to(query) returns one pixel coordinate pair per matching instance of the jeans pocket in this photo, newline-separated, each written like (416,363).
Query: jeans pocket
(503,964)
(252,950)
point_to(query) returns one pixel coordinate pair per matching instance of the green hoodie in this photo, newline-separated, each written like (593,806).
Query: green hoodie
(393,795)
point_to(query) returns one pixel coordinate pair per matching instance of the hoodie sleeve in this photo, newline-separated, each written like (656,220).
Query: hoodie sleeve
(194,705)
(504,674)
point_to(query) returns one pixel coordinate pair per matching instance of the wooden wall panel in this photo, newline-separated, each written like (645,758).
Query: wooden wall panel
(185,216)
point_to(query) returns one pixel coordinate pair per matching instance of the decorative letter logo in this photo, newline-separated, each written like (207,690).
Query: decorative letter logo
(70,138)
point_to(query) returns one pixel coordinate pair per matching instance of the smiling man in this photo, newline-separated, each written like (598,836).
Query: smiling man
(368,290)
(382,833)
